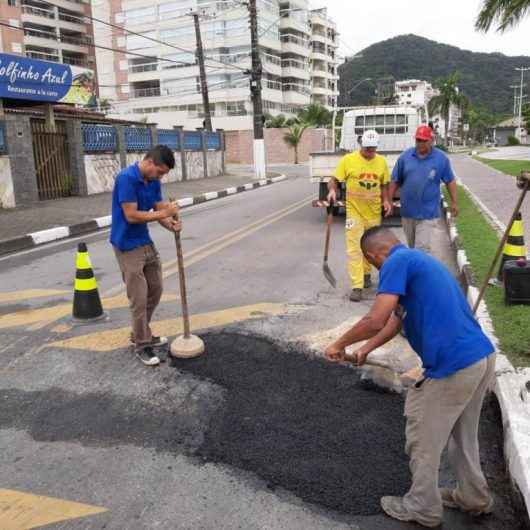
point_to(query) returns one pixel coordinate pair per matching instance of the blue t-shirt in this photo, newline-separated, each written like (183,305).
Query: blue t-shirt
(438,321)
(130,187)
(419,182)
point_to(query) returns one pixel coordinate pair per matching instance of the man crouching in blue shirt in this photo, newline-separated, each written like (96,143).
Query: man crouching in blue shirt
(418,292)
(136,201)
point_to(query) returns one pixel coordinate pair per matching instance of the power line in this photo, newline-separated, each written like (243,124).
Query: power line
(145,37)
(125,52)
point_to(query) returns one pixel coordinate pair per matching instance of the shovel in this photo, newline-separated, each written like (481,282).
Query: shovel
(325,267)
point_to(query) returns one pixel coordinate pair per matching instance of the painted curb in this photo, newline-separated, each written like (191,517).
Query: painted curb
(42,237)
(511,388)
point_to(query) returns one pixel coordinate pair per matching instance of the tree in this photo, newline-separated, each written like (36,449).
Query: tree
(315,115)
(505,14)
(480,122)
(278,122)
(293,137)
(449,95)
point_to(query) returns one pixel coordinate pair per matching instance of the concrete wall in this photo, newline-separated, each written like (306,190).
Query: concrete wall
(7,194)
(239,146)
(100,171)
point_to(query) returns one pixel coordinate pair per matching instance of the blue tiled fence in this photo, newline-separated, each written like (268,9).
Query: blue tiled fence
(99,138)
(104,138)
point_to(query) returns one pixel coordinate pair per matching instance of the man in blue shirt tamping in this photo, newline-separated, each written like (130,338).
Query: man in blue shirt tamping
(417,292)
(136,201)
(418,174)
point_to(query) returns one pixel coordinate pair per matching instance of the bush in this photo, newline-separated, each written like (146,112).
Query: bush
(442,147)
(512,140)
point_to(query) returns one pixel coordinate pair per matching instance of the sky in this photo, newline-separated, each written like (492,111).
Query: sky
(361,24)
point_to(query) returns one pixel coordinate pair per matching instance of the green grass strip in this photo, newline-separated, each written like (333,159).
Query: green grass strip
(510,167)
(511,323)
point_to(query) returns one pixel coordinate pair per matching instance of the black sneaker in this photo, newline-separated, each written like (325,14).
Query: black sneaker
(147,356)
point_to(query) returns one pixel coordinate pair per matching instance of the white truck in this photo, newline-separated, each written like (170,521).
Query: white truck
(396,126)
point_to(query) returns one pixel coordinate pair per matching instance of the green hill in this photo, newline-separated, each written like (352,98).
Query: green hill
(484,77)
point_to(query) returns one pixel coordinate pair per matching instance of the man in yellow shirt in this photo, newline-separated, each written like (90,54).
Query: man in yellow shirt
(367,177)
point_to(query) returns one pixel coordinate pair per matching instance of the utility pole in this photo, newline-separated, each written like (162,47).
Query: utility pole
(202,73)
(515,87)
(255,93)
(520,121)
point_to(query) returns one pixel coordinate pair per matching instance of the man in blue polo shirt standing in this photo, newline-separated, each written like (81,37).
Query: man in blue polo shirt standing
(418,174)
(417,291)
(136,201)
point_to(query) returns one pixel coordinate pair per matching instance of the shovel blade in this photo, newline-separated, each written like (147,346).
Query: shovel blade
(329,275)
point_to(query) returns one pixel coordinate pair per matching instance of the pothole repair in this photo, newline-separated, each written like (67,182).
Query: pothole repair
(302,424)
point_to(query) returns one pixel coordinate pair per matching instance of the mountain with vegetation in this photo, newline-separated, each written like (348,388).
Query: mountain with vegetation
(485,78)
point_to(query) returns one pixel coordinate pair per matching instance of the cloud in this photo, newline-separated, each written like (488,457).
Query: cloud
(361,24)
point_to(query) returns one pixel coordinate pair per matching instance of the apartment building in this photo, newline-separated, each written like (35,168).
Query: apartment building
(324,60)
(52,31)
(162,85)
(417,94)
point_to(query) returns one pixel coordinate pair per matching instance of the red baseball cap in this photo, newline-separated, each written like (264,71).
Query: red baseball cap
(424,132)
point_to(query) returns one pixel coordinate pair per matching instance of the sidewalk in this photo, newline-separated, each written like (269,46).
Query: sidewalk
(19,222)
(496,190)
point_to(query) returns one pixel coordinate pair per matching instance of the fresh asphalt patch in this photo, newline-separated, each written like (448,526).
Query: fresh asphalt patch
(297,423)
(306,426)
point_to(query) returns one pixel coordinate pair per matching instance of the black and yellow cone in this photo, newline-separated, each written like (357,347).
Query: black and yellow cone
(87,304)
(514,247)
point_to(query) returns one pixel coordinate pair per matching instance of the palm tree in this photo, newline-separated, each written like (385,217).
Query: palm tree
(504,13)
(293,137)
(315,115)
(449,95)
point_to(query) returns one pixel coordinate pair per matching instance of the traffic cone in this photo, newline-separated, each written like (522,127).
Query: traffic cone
(514,247)
(87,304)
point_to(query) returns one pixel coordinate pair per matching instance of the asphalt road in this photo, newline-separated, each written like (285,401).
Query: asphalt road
(257,434)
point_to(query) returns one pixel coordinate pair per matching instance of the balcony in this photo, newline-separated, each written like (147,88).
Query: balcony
(36,14)
(321,90)
(295,45)
(289,22)
(296,69)
(43,56)
(146,92)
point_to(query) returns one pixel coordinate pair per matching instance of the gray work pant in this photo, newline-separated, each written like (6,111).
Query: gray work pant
(419,233)
(447,411)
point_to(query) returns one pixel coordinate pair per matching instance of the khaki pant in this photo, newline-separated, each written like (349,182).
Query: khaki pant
(419,232)
(447,411)
(142,274)
(357,264)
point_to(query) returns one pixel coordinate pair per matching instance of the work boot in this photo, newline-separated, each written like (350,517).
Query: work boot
(356,295)
(367,281)
(393,507)
(449,501)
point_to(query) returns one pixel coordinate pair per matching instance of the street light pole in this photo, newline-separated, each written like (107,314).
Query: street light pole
(515,87)
(520,120)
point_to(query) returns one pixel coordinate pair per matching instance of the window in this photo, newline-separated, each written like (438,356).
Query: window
(137,16)
(12,3)
(135,42)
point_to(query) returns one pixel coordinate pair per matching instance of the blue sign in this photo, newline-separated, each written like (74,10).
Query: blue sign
(23,78)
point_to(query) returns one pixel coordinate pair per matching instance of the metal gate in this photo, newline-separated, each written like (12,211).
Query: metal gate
(52,165)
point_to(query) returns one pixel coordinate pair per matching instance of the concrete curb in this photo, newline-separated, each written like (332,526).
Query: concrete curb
(35,239)
(512,386)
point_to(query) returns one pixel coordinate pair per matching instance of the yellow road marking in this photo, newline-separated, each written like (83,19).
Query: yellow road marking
(17,296)
(22,511)
(38,318)
(223,241)
(108,340)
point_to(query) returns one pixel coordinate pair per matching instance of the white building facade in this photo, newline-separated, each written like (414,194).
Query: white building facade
(161,83)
